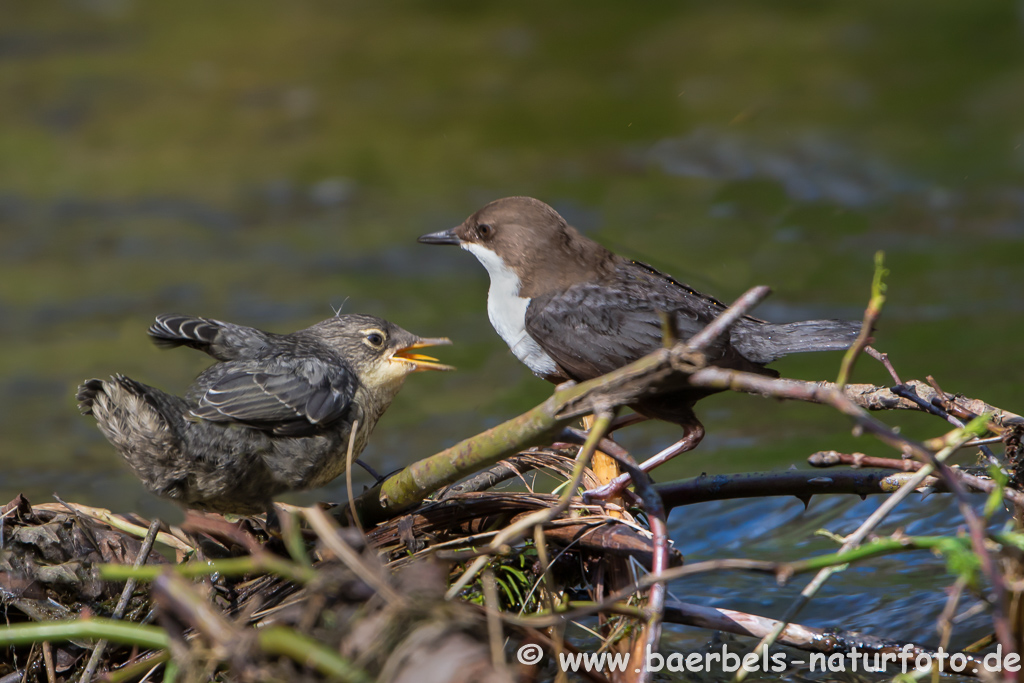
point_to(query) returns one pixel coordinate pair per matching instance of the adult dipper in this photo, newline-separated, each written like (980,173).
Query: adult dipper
(570,309)
(275,414)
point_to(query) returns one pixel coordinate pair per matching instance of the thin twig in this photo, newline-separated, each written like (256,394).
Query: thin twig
(348,477)
(945,621)
(656,517)
(721,324)
(327,530)
(492,612)
(932,407)
(122,603)
(855,539)
(833,458)
(883,358)
(51,672)
(516,530)
(871,313)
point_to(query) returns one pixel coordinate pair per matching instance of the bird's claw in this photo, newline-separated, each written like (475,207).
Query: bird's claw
(612,489)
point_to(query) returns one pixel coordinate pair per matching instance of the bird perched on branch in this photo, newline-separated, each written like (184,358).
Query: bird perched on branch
(570,309)
(275,414)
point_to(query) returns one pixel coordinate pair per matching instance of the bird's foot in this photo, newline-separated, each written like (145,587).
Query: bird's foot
(373,473)
(626,420)
(612,489)
(377,478)
(617,485)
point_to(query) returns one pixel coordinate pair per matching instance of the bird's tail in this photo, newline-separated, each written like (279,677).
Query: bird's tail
(132,415)
(766,342)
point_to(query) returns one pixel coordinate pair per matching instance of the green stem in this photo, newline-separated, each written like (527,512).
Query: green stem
(137,669)
(304,650)
(232,566)
(882,546)
(96,628)
(871,314)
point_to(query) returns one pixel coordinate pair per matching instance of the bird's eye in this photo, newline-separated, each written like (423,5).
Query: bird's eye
(375,339)
(485,230)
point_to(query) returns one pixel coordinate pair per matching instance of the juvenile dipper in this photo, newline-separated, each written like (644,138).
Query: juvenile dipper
(570,309)
(274,415)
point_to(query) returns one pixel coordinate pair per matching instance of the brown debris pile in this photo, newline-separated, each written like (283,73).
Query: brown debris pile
(373,604)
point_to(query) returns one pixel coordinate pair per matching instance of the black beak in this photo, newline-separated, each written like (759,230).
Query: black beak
(443,237)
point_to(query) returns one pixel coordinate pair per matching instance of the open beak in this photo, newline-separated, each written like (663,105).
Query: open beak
(420,361)
(443,237)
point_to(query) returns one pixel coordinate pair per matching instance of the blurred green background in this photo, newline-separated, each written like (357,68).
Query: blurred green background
(262,162)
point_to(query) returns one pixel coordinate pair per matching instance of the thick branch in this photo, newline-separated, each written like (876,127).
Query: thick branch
(663,370)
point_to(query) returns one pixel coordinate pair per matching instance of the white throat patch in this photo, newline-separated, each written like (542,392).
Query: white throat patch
(507,311)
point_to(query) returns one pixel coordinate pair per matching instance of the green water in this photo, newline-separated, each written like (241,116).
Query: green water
(262,162)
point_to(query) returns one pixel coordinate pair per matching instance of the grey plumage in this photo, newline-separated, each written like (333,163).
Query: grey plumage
(275,414)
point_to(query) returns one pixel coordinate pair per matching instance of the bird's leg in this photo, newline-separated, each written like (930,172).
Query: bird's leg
(273,521)
(693,436)
(373,473)
(573,436)
(623,421)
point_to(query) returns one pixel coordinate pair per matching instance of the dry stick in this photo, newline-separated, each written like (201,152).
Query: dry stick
(122,603)
(51,673)
(348,477)
(883,358)
(720,325)
(844,405)
(852,401)
(143,665)
(797,635)
(745,624)
(117,522)
(801,484)
(621,387)
(931,407)
(783,571)
(491,611)
(656,517)
(832,458)
(1000,606)
(327,530)
(605,468)
(945,621)
(602,419)
(558,631)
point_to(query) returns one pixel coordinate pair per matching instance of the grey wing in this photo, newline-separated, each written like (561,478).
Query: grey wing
(593,328)
(293,398)
(590,331)
(224,341)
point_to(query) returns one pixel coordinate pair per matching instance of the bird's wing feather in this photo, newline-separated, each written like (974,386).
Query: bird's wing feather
(590,331)
(595,327)
(224,341)
(300,394)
